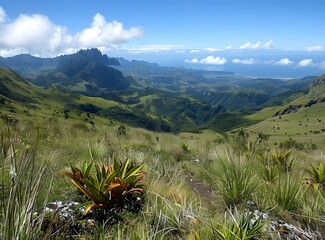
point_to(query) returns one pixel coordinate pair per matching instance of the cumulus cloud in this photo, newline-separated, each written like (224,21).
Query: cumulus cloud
(267,45)
(283,62)
(193,60)
(213,60)
(244,61)
(305,63)
(37,35)
(102,33)
(314,48)
(257,45)
(208,60)
(213,49)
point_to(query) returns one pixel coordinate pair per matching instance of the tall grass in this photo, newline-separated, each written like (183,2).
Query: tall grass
(21,188)
(234,178)
(288,193)
(172,209)
(243,226)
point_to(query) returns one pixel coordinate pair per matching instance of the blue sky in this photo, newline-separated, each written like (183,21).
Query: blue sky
(235,35)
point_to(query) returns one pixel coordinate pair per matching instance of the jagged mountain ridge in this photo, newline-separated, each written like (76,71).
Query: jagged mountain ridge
(91,72)
(86,67)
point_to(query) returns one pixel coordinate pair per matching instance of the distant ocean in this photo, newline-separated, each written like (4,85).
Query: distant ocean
(265,63)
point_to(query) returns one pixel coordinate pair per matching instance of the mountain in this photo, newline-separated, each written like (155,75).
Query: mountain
(15,88)
(234,92)
(150,109)
(86,70)
(151,96)
(25,63)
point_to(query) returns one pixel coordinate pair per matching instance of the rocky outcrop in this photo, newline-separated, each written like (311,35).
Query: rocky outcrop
(290,109)
(66,218)
(280,229)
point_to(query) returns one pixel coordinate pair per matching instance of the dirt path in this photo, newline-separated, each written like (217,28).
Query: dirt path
(205,192)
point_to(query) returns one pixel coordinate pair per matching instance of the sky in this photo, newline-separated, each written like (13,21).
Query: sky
(281,38)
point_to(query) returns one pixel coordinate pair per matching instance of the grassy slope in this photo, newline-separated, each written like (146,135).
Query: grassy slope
(305,125)
(168,172)
(170,198)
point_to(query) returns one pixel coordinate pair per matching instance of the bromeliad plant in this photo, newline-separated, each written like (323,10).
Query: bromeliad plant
(243,226)
(111,186)
(284,158)
(316,176)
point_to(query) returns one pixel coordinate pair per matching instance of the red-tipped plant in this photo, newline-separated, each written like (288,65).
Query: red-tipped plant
(111,186)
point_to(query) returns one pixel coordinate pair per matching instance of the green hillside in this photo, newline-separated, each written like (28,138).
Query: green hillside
(13,87)
(153,184)
(302,119)
(150,109)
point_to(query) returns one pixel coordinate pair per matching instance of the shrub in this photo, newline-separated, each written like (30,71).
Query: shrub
(240,226)
(121,130)
(112,187)
(270,173)
(289,144)
(235,181)
(287,194)
(316,176)
(284,158)
(185,147)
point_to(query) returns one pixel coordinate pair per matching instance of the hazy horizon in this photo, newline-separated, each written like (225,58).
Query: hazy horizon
(274,39)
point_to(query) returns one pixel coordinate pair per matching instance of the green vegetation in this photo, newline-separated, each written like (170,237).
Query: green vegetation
(316,176)
(298,124)
(240,226)
(112,188)
(204,181)
(170,208)
(234,179)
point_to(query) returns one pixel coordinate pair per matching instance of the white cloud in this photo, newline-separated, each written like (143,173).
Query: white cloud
(37,35)
(314,48)
(305,63)
(257,45)
(2,15)
(195,51)
(213,49)
(102,33)
(268,44)
(193,60)
(229,47)
(208,60)
(213,60)
(244,61)
(283,62)
(249,45)
(158,48)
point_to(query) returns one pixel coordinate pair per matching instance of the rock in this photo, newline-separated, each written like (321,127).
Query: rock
(282,230)
(64,217)
(251,203)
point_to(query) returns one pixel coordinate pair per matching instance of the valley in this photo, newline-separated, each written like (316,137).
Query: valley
(166,99)
(157,152)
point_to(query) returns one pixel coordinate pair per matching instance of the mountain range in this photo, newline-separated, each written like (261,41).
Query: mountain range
(144,94)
